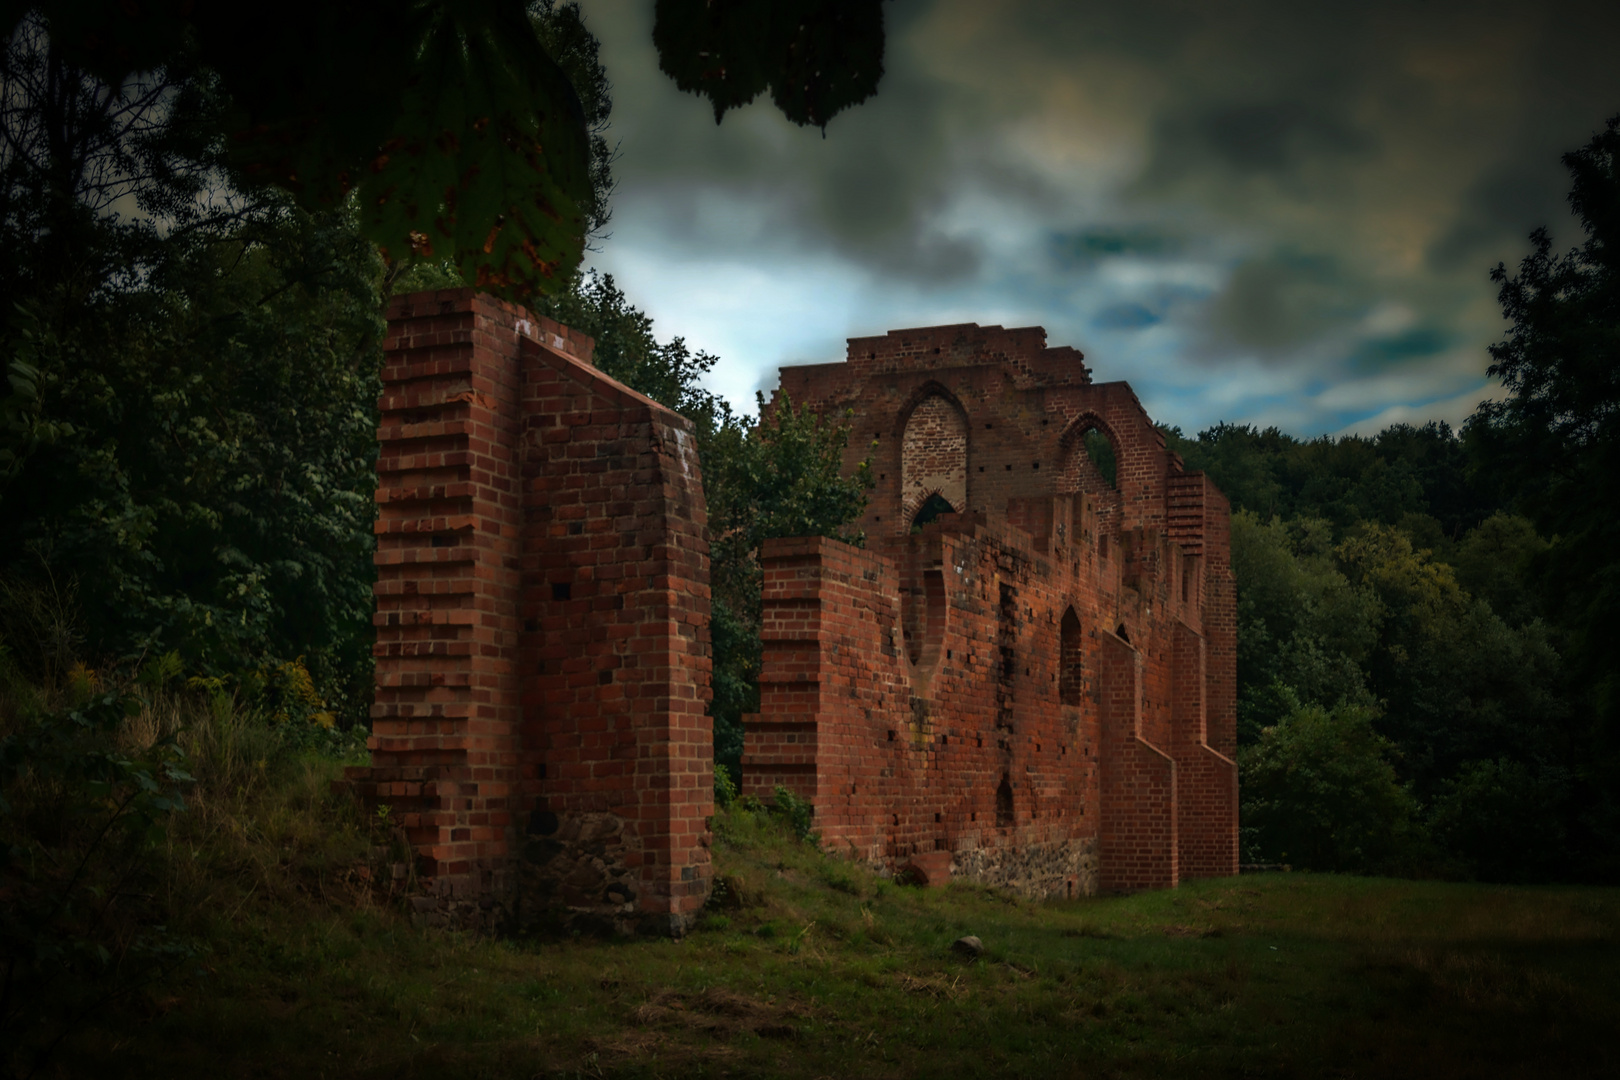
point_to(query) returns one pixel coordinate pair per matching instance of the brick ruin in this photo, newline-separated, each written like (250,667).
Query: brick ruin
(1027,676)
(1034,689)
(539,732)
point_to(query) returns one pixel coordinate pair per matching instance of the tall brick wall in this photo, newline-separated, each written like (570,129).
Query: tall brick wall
(543,652)
(924,694)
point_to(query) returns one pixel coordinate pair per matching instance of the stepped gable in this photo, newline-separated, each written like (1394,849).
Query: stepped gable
(542,654)
(1027,676)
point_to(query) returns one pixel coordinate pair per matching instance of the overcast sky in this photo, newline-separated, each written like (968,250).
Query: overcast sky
(1268,213)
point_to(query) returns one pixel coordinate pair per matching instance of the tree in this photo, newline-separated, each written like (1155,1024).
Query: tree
(1455,682)
(201,370)
(445,123)
(1554,443)
(1320,792)
(1304,632)
(783,477)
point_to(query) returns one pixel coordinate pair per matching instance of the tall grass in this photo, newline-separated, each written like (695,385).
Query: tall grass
(139,812)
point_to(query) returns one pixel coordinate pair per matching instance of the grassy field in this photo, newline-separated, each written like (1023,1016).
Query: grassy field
(818,969)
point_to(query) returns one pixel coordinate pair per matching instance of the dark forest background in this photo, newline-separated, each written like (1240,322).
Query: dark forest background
(1428,658)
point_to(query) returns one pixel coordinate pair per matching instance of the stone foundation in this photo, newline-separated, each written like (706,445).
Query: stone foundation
(1048,870)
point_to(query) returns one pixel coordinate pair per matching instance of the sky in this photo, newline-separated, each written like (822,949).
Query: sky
(1270,213)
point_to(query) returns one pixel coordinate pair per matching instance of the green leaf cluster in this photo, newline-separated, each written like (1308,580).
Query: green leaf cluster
(814,57)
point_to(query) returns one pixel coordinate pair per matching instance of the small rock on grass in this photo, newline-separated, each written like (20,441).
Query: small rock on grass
(969,946)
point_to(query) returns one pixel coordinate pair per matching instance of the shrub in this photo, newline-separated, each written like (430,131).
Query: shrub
(1320,792)
(797,813)
(81,812)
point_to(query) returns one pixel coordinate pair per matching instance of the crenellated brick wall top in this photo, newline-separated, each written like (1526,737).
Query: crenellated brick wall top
(1028,676)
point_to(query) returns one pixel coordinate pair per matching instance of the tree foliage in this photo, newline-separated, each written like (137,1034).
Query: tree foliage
(448,127)
(1553,444)
(783,477)
(198,436)
(1417,478)
(814,57)
(1320,791)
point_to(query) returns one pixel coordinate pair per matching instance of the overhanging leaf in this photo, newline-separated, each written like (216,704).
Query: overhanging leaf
(448,122)
(817,57)
(488,162)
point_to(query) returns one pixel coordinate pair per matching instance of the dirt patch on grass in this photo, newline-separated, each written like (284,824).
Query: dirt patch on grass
(719,1013)
(940,986)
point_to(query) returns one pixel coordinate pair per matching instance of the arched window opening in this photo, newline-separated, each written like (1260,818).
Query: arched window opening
(1122,635)
(1004,804)
(1101,453)
(1090,461)
(935,505)
(1070,673)
(933,456)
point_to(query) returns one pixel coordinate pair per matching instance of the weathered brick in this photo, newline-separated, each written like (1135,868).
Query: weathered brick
(495,435)
(1041,685)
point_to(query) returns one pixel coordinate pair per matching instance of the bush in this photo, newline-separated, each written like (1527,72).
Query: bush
(1320,792)
(796,813)
(725,788)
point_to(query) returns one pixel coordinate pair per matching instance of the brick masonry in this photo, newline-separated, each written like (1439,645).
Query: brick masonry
(542,651)
(1037,691)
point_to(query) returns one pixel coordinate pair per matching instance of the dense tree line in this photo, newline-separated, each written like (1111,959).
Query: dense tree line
(1403,701)
(1427,635)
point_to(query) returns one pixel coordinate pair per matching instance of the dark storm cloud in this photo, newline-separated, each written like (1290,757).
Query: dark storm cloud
(1125,317)
(1083,248)
(1381,353)
(1277,138)
(1312,192)
(1504,203)
(870,190)
(1278,303)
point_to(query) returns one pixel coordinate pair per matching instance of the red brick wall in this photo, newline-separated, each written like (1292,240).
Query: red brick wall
(542,654)
(901,758)
(902,684)
(1139,848)
(934,452)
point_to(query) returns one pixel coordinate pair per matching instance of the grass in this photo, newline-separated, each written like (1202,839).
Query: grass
(809,967)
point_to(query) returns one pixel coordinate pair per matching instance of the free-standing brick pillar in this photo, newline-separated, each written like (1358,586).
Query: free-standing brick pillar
(542,627)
